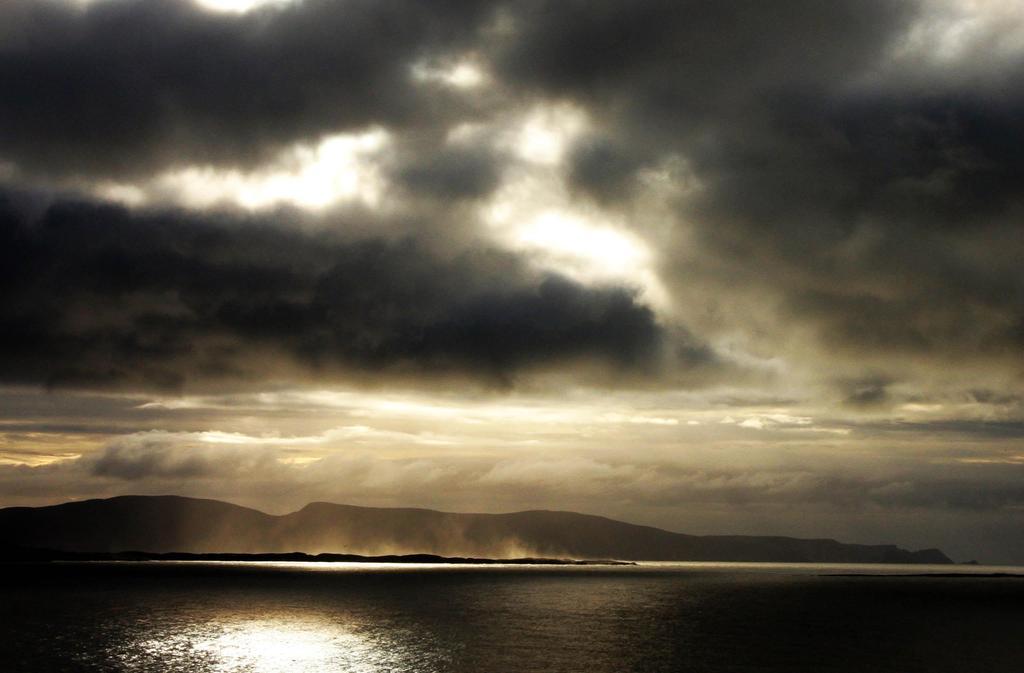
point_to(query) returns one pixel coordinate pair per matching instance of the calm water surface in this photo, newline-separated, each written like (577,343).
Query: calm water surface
(207,617)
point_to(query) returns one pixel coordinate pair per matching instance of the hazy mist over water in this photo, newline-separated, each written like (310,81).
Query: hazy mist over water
(204,617)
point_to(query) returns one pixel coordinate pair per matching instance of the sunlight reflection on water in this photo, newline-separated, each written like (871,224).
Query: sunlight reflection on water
(269,646)
(205,618)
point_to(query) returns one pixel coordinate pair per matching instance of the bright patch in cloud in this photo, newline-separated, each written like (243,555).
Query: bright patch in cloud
(534,211)
(953,30)
(371,409)
(582,246)
(334,436)
(227,6)
(545,134)
(238,6)
(461,75)
(601,249)
(340,168)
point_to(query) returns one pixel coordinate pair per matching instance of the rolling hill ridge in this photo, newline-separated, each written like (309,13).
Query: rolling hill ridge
(177,524)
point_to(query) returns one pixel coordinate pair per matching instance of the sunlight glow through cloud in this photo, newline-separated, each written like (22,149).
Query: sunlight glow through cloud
(238,6)
(952,30)
(546,132)
(460,75)
(367,411)
(586,247)
(226,6)
(534,212)
(601,248)
(314,176)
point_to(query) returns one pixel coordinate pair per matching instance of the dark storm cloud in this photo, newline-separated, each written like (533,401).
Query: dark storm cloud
(681,62)
(93,294)
(875,199)
(894,226)
(450,173)
(867,197)
(127,86)
(602,169)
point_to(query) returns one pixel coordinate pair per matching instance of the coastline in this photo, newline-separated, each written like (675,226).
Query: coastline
(23,555)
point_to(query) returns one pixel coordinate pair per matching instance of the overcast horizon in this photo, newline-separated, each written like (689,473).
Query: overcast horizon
(727,267)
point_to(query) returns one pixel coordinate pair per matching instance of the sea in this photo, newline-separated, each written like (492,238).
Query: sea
(194,617)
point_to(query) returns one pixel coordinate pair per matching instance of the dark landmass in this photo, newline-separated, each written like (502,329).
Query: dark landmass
(175,525)
(28,554)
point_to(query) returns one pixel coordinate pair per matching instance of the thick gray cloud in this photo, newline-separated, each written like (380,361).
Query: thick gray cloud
(602,169)
(868,197)
(95,294)
(127,86)
(865,392)
(869,217)
(685,70)
(449,173)
(156,460)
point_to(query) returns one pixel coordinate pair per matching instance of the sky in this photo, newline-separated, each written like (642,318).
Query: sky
(729,267)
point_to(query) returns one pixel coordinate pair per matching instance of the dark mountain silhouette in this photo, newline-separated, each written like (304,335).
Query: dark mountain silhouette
(175,524)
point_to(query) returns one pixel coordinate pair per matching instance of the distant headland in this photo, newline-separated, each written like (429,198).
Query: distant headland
(179,528)
(29,554)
